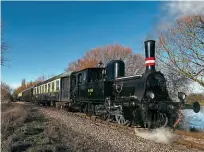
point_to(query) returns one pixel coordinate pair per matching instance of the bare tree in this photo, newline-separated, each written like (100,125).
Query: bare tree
(5,93)
(176,83)
(4,49)
(2,53)
(134,64)
(181,48)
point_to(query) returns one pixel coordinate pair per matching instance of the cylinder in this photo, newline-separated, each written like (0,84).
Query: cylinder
(150,55)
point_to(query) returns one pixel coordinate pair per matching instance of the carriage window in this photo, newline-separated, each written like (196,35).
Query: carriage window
(53,86)
(49,87)
(45,87)
(57,85)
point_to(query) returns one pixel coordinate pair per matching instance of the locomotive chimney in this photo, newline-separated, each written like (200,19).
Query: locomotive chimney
(150,55)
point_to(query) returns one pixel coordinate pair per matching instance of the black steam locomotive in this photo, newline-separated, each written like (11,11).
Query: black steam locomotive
(106,92)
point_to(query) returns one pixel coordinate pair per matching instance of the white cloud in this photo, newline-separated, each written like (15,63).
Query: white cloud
(176,9)
(182,8)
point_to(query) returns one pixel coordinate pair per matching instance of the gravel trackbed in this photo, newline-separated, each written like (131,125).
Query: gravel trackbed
(84,135)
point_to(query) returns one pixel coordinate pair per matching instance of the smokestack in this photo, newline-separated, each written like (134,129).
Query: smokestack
(150,55)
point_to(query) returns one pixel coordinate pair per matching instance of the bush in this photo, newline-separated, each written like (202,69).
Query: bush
(196,97)
(6,96)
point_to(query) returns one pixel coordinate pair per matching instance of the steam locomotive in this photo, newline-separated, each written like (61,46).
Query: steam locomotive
(106,92)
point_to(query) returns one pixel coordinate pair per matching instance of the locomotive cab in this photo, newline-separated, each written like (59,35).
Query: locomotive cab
(87,85)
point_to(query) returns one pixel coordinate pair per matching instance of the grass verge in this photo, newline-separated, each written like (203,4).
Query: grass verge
(25,129)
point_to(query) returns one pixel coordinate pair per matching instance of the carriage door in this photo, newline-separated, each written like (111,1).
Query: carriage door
(65,89)
(79,83)
(74,86)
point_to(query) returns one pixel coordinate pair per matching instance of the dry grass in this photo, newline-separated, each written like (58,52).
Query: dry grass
(25,129)
(202,104)
(12,117)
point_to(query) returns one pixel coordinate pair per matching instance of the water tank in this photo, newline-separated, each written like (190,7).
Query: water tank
(115,69)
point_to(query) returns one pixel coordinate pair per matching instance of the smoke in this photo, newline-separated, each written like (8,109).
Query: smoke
(160,135)
(170,11)
(183,8)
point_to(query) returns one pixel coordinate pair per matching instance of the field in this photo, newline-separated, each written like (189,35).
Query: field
(23,128)
(202,104)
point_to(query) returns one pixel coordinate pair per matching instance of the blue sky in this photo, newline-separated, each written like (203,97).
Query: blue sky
(43,37)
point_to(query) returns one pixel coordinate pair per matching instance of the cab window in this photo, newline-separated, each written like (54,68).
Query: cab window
(73,80)
(80,78)
(93,76)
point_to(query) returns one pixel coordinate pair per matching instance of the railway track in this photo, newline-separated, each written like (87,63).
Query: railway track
(185,138)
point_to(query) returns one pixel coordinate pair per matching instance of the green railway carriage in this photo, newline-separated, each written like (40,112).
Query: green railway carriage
(52,90)
(27,94)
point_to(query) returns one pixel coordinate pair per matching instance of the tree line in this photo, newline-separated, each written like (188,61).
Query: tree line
(134,63)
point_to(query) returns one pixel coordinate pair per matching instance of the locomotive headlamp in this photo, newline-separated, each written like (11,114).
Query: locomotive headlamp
(150,95)
(181,95)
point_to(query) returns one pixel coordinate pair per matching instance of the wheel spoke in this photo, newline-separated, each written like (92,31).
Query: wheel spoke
(120,119)
(164,120)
